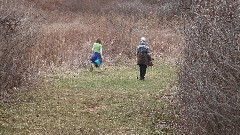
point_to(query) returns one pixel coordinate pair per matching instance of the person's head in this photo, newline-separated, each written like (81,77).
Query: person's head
(143,39)
(98,41)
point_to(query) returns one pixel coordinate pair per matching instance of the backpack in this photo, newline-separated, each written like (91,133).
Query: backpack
(142,49)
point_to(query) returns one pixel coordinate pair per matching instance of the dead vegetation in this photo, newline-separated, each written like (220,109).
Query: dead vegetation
(210,74)
(67,36)
(16,37)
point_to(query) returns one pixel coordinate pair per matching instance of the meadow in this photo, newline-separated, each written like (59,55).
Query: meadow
(106,101)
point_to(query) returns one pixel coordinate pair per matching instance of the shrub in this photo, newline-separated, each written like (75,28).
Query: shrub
(16,37)
(210,73)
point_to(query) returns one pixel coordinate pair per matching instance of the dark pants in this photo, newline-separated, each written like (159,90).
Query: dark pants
(143,69)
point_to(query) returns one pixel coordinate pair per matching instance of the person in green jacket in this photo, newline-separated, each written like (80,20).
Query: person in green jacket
(96,58)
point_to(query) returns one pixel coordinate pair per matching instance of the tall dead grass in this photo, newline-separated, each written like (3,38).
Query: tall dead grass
(68,43)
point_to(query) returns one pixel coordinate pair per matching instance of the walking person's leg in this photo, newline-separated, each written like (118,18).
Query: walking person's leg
(92,59)
(140,70)
(144,70)
(141,66)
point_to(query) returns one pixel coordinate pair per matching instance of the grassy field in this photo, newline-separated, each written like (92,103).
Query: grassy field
(111,101)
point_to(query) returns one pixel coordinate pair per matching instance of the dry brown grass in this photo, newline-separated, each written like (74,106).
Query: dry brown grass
(68,43)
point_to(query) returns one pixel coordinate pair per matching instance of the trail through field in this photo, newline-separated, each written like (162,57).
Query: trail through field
(109,101)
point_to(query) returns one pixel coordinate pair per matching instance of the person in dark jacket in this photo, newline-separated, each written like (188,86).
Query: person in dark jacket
(143,57)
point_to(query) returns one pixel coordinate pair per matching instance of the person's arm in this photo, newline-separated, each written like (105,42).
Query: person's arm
(148,50)
(101,51)
(149,54)
(93,48)
(137,50)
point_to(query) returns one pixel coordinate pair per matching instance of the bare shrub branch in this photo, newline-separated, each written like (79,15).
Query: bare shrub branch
(16,37)
(210,74)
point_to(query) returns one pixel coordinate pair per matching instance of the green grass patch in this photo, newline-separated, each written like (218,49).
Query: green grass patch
(110,102)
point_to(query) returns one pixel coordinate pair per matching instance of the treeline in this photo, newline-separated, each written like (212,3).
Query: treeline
(160,7)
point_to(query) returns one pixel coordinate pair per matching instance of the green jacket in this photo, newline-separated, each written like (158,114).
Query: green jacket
(97,48)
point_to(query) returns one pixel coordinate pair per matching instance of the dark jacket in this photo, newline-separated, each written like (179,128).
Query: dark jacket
(142,59)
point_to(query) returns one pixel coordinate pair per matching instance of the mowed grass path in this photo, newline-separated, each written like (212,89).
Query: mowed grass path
(110,102)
